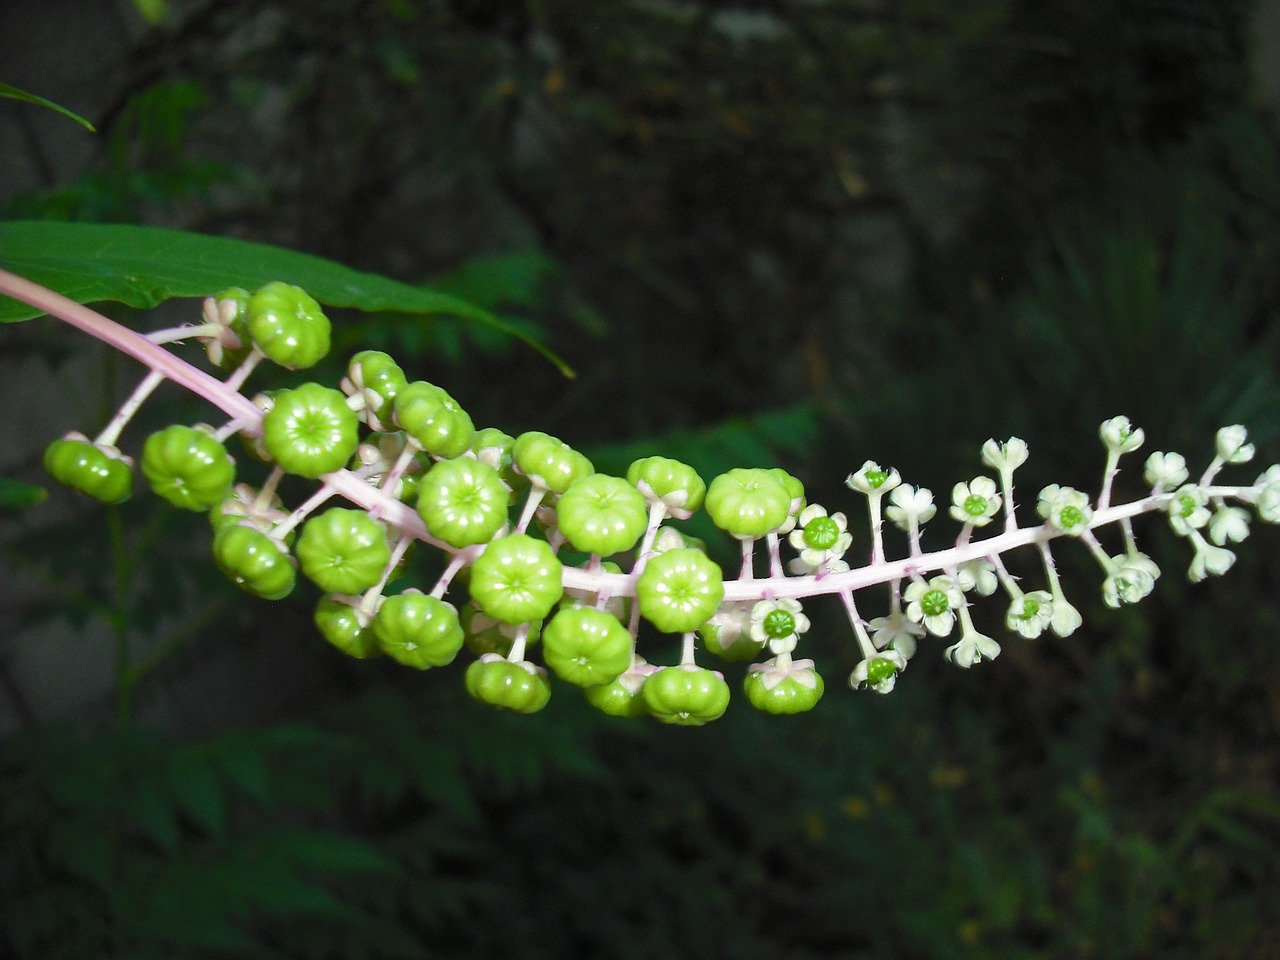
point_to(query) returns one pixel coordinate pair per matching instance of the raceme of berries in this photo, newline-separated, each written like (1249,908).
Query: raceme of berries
(498,509)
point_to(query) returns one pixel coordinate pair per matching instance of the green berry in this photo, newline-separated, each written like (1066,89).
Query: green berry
(418,630)
(748,503)
(586,647)
(493,447)
(521,687)
(434,419)
(728,633)
(517,579)
(254,562)
(783,690)
(93,470)
(288,326)
(231,307)
(463,502)
(346,628)
(686,695)
(679,590)
(601,514)
(379,378)
(343,551)
(623,697)
(310,431)
(675,484)
(188,467)
(548,461)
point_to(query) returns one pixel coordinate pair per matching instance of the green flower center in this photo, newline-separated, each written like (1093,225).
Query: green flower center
(1030,608)
(934,603)
(1186,506)
(975,505)
(779,624)
(1070,516)
(879,670)
(875,478)
(821,533)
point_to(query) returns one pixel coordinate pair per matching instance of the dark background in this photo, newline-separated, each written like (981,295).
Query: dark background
(801,234)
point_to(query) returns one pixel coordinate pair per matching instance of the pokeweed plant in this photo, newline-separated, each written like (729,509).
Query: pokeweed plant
(414,469)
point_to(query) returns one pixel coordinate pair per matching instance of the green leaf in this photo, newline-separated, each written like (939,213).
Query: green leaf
(13,93)
(14,494)
(197,789)
(145,266)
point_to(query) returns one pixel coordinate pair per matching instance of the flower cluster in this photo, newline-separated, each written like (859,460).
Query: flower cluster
(415,469)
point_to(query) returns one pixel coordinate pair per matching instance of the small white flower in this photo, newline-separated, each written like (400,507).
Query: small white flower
(1066,618)
(1209,560)
(973,647)
(1065,508)
(1031,614)
(1164,471)
(878,673)
(1005,456)
(1268,502)
(934,604)
(821,539)
(1229,524)
(778,623)
(910,504)
(1187,510)
(896,632)
(1132,580)
(1231,444)
(668,538)
(872,479)
(978,576)
(975,502)
(1119,436)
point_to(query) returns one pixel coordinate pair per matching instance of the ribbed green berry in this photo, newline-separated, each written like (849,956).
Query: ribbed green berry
(548,461)
(585,646)
(463,502)
(379,378)
(728,633)
(236,319)
(343,551)
(310,431)
(792,485)
(517,579)
(288,326)
(346,628)
(92,470)
(521,687)
(418,630)
(679,590)
(794,689)
(434,419)
(601,514)
(686,695)
(188,467)
(748,503)
(254,562)
(623,697)
(492,446)
(676,484)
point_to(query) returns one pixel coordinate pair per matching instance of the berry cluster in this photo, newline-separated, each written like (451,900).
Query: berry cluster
(502,509)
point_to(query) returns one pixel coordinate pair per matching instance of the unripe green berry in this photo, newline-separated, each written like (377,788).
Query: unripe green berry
(343,551)
(288,326)
(521,687)
(434,419)
(379,379)
(517,579)
(548,461)
(676,484)
(686,695)
(586,647)
(463,502)
(623,697)
(679,590)
(601,514)
(783,690)
(346,627)
(254,562)
(748,503)
(418,630)
(310,431)
(188,467)
(89,468)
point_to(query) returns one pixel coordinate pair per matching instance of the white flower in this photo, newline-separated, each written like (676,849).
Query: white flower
(821,539)
(1209,560)
(978,576)
(728,633)
(1031,614)
(778,623)
(934,604)
(1133,578)
(1005,456)
(895,632)
(910,504)
(1229,524)
(1066,618)
(872,480)
(878,673)
(1119,436)
(1065,508)
(1268,502)
(975,502)
(1187,510)
(1231,444)
(1165,470)
(973,647)
(668,538)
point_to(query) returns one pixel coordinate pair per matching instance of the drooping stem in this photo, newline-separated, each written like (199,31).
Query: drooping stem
(111,432)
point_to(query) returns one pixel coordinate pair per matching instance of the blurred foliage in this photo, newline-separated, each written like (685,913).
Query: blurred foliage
(793,233)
